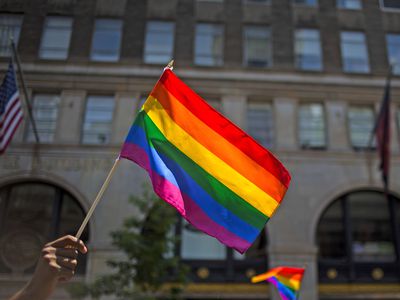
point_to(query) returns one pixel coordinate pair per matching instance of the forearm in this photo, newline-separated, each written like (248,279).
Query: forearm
(30,291)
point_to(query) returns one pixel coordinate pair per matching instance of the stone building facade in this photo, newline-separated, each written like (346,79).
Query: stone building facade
(304,77)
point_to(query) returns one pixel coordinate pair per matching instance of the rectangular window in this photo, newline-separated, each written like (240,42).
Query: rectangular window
(312,126)
(56,38)
(98,120)
(259,123)
(349,4)
(306,2)
(10,27)
(257,1)
(361,121)
(159,44)
(45,113)
(209,46)
(308,50)
(393,48)
(106,40)
(197,245)
(257,46)
(390,4)
(354,52)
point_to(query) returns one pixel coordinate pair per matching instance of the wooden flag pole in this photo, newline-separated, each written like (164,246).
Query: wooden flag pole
(105,184)
(97,199)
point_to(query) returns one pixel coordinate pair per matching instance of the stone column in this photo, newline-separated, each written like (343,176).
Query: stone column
(304,256)
(336,121)
(125,112)
(70,117)
(234,108)
(285,116)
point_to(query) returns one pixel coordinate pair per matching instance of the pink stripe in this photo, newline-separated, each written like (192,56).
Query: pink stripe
(165,189)
(184,204)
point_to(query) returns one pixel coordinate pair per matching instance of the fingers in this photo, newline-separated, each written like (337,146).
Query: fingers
(69,241)
(67,263)
(65,274)
(66,252)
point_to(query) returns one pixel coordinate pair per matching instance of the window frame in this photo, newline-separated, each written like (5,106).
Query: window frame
(269,62)
(256,2)
(20,18)
(195,54)
(347,268)
(325,130)
(45,28)
(60,194)
(261,105)
(110,124)
(349,8)
(305,4)
(374,115)
(94,52)
(171,36)
(222,270)
(365,44)
(388,9)
(396,65)
(321,60)
(29,134)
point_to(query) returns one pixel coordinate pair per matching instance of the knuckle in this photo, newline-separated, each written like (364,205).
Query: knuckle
(47,250)
(71,238)
(74,263)
(48,257)
(75,253)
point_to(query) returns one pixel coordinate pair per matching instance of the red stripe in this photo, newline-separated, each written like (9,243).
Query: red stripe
(8,109)
(224,127)
(12,134)
(8,124)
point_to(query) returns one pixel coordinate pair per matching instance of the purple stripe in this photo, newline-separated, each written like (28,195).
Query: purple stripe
(183,203)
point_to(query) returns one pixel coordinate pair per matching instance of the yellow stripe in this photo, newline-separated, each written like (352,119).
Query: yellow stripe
(266,275)
(208,161)
(290,282)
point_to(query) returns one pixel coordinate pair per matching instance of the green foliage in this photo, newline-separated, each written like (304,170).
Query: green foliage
(148,244)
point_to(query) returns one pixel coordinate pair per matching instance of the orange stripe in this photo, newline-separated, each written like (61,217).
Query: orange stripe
(222,148)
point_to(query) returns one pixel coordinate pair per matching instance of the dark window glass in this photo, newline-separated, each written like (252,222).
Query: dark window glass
(10,27)
(359,239)
(106,40)
(393,4)
(32,214)
(331,237)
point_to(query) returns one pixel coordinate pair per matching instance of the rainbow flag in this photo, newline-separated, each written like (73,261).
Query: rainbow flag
(219,179)
(286,279)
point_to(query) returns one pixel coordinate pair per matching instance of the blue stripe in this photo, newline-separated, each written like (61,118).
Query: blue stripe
(170,170)
(283,289)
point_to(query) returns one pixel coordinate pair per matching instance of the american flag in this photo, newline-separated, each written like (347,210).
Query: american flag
(10,108)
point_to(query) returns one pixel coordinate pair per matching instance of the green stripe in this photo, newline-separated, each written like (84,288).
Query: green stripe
(212,186)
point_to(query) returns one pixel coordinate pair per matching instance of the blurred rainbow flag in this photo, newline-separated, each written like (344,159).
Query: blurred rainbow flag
(286,279)
(220,180)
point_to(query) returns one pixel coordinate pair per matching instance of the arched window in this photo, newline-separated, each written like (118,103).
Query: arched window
(211,261)
(359,239)
(31,214)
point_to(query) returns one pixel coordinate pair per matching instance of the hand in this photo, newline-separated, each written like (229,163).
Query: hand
(57,263)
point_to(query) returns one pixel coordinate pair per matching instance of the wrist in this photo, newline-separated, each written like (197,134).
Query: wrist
(35,290)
